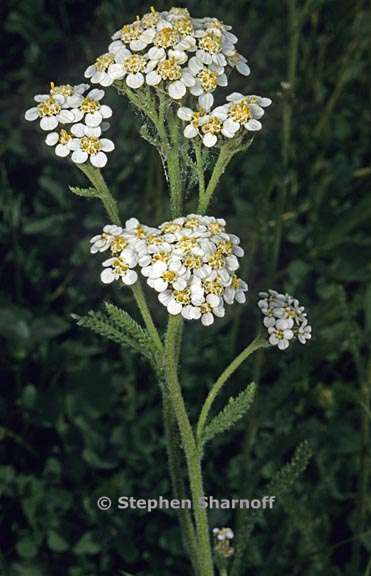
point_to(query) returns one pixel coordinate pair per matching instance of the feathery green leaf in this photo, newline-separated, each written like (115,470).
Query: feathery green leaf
(86,192)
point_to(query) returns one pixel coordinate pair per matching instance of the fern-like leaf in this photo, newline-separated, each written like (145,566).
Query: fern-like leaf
(86,192)
(278,487)
(125,322)
(232,412)
(102,324)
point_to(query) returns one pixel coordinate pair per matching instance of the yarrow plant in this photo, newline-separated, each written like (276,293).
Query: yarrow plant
(172,69)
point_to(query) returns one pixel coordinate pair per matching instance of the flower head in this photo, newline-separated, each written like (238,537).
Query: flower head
(222,542)
(284,319)
(87,144)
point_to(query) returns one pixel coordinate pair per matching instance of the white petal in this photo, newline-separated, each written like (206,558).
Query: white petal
(107,276)
(174,307)
(107,145)
(177,90)
(135,80)
(98,160)
(234,97)
(253,125)
(185,114)
(52,139)
(116,71)
(130,277)
(31,114)
(79,156)
(243,68)
(206,101)
(78,130)
(153,78)
(190,131)
(93,119)
(62,150)
(48,123)
(105,111)
(159,284)
(207,319)
(210,140)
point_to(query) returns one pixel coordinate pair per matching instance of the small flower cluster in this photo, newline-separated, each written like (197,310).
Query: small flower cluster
(172,50)
(74,120)
(222,542)
(239,113)
(284,318)
(191,262)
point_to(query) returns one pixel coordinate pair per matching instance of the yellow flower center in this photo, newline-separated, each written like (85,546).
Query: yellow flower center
(64,89)
(236,282)
(153,239)
(225,248)
(64,137)
(89,105)
(161,257)
(215,23)
(213,126)
(192,223)
(211,43)
(213,287)
(215,227)
(240,112)
(131,32)
(186,243)
(49,107)
(118,244)
(208,80)
(90,144)
(175,11)
(196,118)
(290,312)
(170,228)
(184,26)
(166,38)
(102,62)
(134,63)
(216,260)
(151,19)
(182,296)
(192,261)
(235,58)
(205,308)
(139,231)
(169,69)
(119,266)
(169,276)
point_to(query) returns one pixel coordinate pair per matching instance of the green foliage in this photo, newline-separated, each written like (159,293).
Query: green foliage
(235,409)
(118,326)
(84,192)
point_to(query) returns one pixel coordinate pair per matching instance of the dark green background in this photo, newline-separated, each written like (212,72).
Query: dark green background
(80,418)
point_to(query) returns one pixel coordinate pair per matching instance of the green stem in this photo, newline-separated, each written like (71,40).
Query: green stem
(189,447)
(175,465)
(174,171)
(259,342)
(95,176)
(200,170)
(224,157)
(146,314)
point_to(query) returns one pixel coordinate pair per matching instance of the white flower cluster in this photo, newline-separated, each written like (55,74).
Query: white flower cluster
(75,120)
(238,113)
(191,262)
(172,50)
(284,318)
(222,542)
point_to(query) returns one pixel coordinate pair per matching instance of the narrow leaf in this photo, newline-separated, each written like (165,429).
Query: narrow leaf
(232,412)
(86,192)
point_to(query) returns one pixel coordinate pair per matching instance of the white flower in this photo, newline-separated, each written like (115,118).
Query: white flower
(236,291)
(87,145)
(51,113)
(166,271)
(239,62)
(223,533)
(284,319)
(130,66)
(111,238)
(212,47)
(68,96)
(207,79)
(61,140)
(244,111)
(91,109)
(176,301)
(99,71)
(170,70)
(120,268)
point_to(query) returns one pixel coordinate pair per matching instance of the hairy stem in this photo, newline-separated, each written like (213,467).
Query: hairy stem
(189,446)
(218,170)
(95,176)
(146,314)
(200,170)
(259,342)
(174,169)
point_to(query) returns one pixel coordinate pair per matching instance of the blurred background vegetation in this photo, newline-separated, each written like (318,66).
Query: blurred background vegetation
(80,418)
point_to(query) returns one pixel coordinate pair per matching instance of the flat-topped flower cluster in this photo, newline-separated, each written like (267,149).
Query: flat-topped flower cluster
(284,319)
(172,50)
(74,118)
(190,261)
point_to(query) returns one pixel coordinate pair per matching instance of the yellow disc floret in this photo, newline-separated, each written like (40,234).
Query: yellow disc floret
(64,137)
(131,32)
(212,126)
(240,112)
(208,80)
(166,38)
(182,296)
(211,43)
(63,89)
(103,61)
(89,105)
(169,69)
(49,107)
(118,244)
(90,144)
(134,63)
